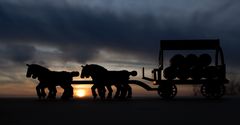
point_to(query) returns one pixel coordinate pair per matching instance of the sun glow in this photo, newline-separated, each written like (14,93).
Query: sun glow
(80,92)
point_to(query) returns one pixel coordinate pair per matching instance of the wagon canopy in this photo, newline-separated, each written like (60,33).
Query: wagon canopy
(209,44)
(198,44)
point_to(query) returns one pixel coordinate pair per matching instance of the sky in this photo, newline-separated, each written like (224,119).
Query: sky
(118,34)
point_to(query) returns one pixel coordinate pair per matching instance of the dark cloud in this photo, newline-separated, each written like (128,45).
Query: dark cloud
(81,29)
(79,54)
(17,53)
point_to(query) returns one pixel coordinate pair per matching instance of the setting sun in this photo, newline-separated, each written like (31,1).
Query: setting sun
(80,92)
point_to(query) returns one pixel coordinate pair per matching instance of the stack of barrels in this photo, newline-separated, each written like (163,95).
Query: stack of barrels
(191,66)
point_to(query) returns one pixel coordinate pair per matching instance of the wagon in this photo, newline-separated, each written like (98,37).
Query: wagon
(211,77)
(192,69)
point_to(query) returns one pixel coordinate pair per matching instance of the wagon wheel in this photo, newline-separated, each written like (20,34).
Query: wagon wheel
(218,91)
(167,90)
(213,90)
(205,90)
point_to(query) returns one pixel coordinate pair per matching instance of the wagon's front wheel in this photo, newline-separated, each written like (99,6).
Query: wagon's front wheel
(205,91)
(167,90)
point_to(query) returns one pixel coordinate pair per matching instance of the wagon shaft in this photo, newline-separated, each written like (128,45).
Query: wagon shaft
(135,82)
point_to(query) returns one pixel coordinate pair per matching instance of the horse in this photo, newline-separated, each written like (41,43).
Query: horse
(102,77)
(50,79)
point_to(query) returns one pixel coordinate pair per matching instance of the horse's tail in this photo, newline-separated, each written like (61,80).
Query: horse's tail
(74,73)
(133,73)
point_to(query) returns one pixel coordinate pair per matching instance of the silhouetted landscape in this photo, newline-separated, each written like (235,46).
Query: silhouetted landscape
(150,110)
(73,62)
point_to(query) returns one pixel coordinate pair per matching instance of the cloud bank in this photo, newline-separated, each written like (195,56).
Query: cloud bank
(123,31)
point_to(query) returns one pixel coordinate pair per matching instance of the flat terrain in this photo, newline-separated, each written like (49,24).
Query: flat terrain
(141,110)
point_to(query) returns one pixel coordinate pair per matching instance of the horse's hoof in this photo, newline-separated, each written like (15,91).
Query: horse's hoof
(43,95)
(129,97)
(51,97)
(109,98)
(122,98)
(102,98)
(116,97)
(65,98)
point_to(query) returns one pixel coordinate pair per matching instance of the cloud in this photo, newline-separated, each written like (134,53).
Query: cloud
(81,30)
(17,53)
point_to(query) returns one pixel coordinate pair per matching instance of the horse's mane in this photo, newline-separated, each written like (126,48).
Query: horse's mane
(97,67)
(36,66)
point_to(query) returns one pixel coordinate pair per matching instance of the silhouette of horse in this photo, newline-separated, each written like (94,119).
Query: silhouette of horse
(102,77)
(51,79)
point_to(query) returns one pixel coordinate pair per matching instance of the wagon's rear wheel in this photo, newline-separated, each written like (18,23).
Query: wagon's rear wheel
(167,90)
(213,90)
(219,91)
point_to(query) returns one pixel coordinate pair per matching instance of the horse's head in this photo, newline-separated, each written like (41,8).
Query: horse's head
(30,72)
(35,70)
(86,72)
(92,70)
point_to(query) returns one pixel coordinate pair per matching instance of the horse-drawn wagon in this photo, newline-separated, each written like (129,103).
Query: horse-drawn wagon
(190,69)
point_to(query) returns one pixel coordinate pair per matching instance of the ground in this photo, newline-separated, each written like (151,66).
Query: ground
(141,110)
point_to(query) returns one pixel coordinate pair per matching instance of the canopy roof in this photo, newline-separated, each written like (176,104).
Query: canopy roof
(206,44)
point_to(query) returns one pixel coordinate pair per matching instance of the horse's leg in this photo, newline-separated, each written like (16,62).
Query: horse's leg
(109,92)
(118,87)
(65,94)
(123,91)
(94,94)
(49,92)
(129,91)
(68,92)
(65,91)
(52,92)
(40,90)
(101,92)
(43,93)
